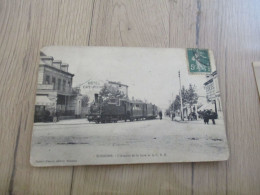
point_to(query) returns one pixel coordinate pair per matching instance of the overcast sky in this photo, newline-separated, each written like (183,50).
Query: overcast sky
(150,73)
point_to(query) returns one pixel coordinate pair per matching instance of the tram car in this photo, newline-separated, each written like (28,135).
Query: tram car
(126,110)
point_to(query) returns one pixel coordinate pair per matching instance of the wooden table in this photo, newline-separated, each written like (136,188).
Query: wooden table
(230,28)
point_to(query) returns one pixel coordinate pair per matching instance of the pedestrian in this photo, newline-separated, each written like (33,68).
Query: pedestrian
(160,114)
(206,117)
(213,116)
(47,116)
(213,121)
(173,115)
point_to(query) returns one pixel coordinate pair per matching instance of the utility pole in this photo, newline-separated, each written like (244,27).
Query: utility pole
(172,103)
(215,103)
(181,96)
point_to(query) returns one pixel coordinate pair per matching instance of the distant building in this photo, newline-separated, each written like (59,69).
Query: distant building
(54,89)
(92,87)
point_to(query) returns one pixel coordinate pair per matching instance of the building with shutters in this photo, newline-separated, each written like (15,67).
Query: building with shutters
(54,89)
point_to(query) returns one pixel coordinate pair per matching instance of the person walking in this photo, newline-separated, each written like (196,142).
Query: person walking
(47,116)
(160,115)
(213,116)
(173,115)
(206,117)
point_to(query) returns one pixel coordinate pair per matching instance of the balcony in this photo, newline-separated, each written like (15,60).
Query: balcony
(45,87)
(50,87)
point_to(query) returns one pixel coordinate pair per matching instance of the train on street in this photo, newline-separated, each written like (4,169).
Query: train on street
(122,109)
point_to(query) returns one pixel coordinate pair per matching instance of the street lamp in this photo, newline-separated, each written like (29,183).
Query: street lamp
(181,96)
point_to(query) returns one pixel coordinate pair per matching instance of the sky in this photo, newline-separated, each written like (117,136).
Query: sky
(150,73)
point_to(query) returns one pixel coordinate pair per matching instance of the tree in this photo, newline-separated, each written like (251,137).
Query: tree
(84,101)
(176,105)
(184,95)
(189,96)
(192,96)
(109,92)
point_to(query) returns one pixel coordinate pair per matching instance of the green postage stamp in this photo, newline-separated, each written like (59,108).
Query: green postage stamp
(199,61)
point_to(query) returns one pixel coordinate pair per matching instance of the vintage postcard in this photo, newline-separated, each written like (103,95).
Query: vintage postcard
(256,67)
(119,105)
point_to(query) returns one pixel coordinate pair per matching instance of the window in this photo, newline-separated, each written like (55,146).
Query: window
(54,82)
(59,83)
(64,85)
(47,79)
(37,108)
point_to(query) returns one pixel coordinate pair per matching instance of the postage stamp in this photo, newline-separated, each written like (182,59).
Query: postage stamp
(198,61)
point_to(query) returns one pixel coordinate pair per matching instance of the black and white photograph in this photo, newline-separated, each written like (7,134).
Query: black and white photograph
(123,105)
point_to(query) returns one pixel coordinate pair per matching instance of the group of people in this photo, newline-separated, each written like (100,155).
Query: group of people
(207,115)
(46,116)
(192,116)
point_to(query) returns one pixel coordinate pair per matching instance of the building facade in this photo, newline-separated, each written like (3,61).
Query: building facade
(54,90)
(92,87)
(213,92)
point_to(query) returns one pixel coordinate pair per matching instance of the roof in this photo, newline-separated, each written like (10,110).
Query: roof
(57,61)
(136,102)
(46,57)
(57,69)
(117,83)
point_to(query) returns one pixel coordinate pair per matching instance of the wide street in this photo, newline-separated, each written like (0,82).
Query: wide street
(79,139)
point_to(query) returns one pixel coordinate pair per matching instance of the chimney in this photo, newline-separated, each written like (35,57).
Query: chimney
(64,67)
(96,98)
(57,64)
(46,60)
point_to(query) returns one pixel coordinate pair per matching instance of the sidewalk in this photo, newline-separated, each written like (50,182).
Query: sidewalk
(199,121)
(65,122)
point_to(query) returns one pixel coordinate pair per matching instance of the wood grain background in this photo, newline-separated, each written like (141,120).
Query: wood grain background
(230,28)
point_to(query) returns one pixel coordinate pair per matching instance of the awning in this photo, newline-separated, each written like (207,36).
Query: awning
(43,101)
(207,107)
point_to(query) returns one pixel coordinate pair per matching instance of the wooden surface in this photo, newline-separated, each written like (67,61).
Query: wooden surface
(230,28)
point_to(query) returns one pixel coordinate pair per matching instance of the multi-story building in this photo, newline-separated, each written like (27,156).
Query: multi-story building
(54,89)
(213,92)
